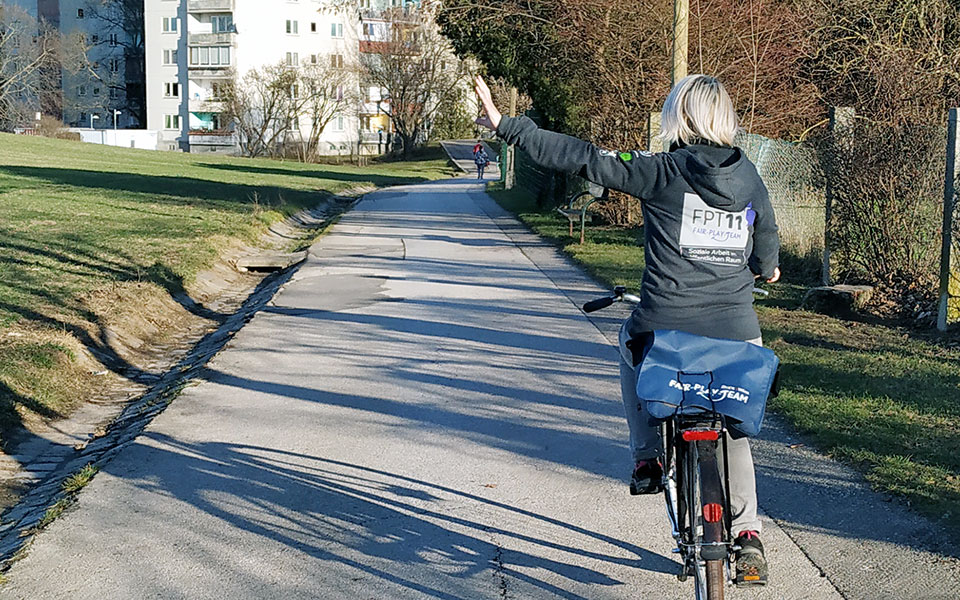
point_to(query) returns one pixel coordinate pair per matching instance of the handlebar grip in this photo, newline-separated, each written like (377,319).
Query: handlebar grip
(597,304)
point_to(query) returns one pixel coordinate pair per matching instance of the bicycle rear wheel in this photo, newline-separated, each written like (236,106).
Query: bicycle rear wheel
(712,507)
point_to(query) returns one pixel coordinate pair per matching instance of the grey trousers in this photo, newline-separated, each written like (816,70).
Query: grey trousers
(645,444)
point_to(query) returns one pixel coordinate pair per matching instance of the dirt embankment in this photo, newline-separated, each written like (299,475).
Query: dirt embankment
(135,333)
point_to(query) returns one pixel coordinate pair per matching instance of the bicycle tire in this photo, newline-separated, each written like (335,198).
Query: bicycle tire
(692,501)
(715,580)
(711,492)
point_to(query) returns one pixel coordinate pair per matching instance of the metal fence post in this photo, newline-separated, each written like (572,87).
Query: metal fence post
(509,177)
(948,202)
(841,130)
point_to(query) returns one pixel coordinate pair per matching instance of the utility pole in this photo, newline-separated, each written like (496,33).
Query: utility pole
(681,28)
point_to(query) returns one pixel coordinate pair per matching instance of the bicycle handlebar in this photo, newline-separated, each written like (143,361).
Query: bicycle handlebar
(597,304)
(620,295)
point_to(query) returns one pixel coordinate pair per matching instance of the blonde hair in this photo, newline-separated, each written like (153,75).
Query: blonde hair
(698,109)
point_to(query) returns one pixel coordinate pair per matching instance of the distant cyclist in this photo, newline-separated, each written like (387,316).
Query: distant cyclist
(709,231)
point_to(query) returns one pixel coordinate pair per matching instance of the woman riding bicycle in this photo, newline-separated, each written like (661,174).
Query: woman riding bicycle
(709,231)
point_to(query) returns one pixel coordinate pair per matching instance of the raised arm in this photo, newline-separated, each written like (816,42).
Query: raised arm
(636,173)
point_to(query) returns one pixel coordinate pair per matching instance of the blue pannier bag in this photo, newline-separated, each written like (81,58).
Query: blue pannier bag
(686,374)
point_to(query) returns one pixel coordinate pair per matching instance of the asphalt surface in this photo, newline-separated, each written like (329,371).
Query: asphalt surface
(424,412)
(461,154)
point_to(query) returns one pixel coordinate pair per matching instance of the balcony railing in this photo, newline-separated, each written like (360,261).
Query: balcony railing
(396,14)
(209,72)
(212,39)
(210,6)
(203,137)
(205,106)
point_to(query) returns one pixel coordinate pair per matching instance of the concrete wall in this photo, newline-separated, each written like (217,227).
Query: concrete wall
(143,139)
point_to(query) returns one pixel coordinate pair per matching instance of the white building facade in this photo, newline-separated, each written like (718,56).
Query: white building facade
(193,47)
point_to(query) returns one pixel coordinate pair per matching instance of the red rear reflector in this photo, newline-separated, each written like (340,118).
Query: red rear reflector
(712,512)
(696,435)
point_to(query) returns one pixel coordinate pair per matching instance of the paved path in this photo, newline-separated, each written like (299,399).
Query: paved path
(422,412)
(461,153)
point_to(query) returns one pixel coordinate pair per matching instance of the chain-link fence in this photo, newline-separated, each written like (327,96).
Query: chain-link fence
(795,180)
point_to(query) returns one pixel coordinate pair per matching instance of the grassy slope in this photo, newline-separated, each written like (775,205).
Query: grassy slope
(883,399)
(77,220)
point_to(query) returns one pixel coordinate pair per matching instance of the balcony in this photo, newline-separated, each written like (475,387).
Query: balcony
(210,6)
(212,39)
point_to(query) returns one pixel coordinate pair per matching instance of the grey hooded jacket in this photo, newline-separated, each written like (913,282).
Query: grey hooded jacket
(708,226)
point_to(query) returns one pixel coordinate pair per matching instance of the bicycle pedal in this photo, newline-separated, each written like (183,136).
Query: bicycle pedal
(750,578)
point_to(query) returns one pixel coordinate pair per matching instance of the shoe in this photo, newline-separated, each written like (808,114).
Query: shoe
(751,563)
(647,478)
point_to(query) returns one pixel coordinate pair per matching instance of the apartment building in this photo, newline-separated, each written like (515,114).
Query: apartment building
(95,96)
(194,46)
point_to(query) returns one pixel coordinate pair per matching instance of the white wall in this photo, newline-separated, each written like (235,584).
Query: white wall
(142,139)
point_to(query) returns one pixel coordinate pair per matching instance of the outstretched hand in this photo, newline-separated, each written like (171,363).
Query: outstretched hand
(491,116)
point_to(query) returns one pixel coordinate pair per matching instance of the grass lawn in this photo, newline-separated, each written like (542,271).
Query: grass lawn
(883,399)
(78,222)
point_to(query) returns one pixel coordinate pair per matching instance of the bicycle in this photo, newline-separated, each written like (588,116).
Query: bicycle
(695,487)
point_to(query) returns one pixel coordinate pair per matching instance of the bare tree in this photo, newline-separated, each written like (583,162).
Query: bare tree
(260,104)
(31,55)
(322,94)
(123,25)
(417,68)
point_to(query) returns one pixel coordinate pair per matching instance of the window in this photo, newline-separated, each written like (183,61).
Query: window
(365,123)
(336,30)
(83,116)
(313,27)
(338,92)
(171,121)
(336,61)
(79,13)
(339,124)
(294,91)
(222,23)
(113,92)
(293,59)
(171,90)
(94,39)
(81,90)
(364,3)
(169,24)
(96,91)
(313,59)
(293,124)
(293,27)
(210,56)
(217,90)
(169,57)
(368,29)
(114,65)
(114,40)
